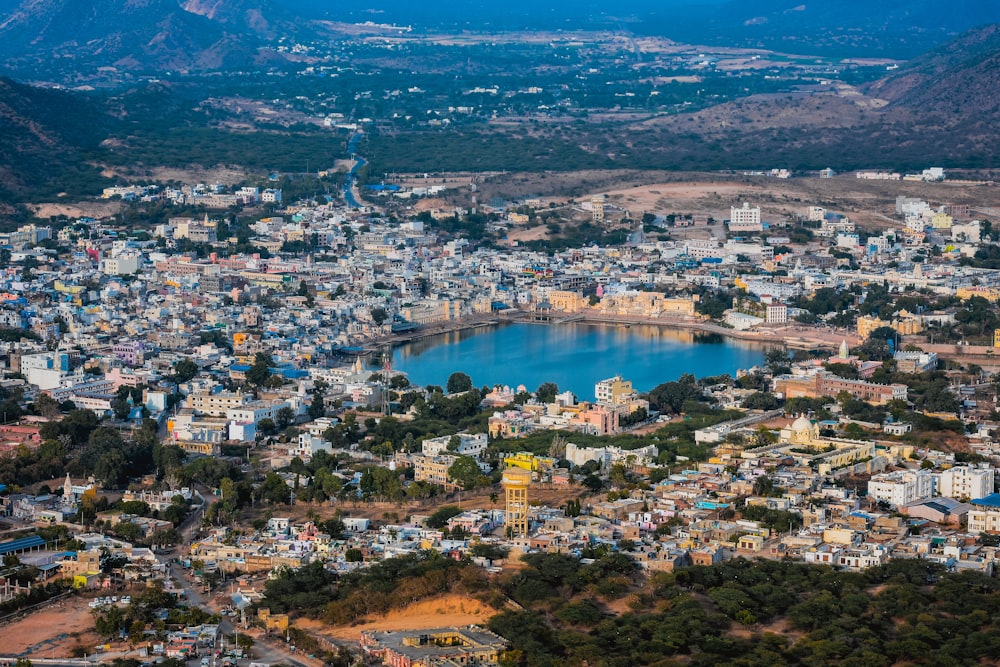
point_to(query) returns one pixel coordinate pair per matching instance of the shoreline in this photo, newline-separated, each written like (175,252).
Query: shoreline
(790,336)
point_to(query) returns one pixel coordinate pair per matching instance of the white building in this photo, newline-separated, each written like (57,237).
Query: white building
(966,482)
(45,370)
(986,515)
(255,411)
(777,313)
(745,219)
(901,487)
(123,264)
(470,444)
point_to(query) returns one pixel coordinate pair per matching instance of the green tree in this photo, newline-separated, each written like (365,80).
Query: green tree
(466,472)
(546,392)
(458,382)
(260,371)
(185,370)
(284,417)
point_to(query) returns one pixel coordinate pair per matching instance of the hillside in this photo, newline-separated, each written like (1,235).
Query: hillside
(67,40)
(960,78)
(44,148)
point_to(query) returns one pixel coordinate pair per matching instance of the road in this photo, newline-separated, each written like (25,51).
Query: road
(272,651)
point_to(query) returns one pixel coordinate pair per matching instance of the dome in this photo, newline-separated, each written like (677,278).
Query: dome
(802,424)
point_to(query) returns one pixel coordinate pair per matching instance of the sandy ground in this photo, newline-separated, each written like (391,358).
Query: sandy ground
(52,632)
(100,209)
(445,611)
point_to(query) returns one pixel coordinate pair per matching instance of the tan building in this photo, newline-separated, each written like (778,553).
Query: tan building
(566,301)
(988,293)
(905,325)
(216,405)
(433,469)
(828,384)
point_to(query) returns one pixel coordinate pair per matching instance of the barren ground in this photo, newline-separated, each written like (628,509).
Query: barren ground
(52,632)
(445,611)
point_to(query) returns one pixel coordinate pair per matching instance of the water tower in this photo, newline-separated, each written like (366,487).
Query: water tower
(515,483)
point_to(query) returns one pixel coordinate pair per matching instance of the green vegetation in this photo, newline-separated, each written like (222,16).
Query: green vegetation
(907,612)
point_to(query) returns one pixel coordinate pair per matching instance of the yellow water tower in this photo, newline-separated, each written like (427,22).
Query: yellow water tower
(515,483)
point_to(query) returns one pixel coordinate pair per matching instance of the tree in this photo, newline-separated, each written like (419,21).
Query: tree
(546,392)
(274,490)
(439,519)
(760,401)
(465,471)
(260,371)
(122,408)
(267,426)
(458,382)
(379,315)
(46,406)
(284,417)
(185,370)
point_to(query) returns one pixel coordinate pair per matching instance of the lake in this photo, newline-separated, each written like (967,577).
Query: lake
(574,355)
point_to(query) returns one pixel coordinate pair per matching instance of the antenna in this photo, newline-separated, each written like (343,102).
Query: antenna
(386,371)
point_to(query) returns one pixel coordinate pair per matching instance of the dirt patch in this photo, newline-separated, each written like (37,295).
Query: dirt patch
(101,209)
(441,612)
(52,632)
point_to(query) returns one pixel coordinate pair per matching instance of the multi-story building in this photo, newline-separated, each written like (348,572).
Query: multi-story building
(433,469)
(468,645)
(827,384)
(613,390)
(777,313)
(966,482)
(901,487)
(469,444)
(745,219)
(985,517)
(216,405)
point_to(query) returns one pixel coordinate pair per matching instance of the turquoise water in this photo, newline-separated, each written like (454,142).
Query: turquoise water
(575,356)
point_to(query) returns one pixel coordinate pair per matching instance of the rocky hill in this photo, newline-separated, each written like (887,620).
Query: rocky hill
(960,78)
(63,38)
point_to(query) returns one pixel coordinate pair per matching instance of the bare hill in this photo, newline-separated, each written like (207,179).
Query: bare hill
(959,78)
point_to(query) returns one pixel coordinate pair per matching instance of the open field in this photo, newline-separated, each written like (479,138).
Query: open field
(445,611)
(52,632)
(871,204)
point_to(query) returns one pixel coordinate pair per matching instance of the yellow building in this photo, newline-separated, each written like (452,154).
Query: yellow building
(905,324)
(988,293)
(941,221)
(566,301)
(647,304)
(530,462)
(996,338)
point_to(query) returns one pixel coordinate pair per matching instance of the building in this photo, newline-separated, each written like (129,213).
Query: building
(745,219)
(901,487)
(613,390)
(777,313)
(822,383)
(966,482)
(469,645)
(469,444)
(433,469)
(985,517)
(597,209)
(216,405)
